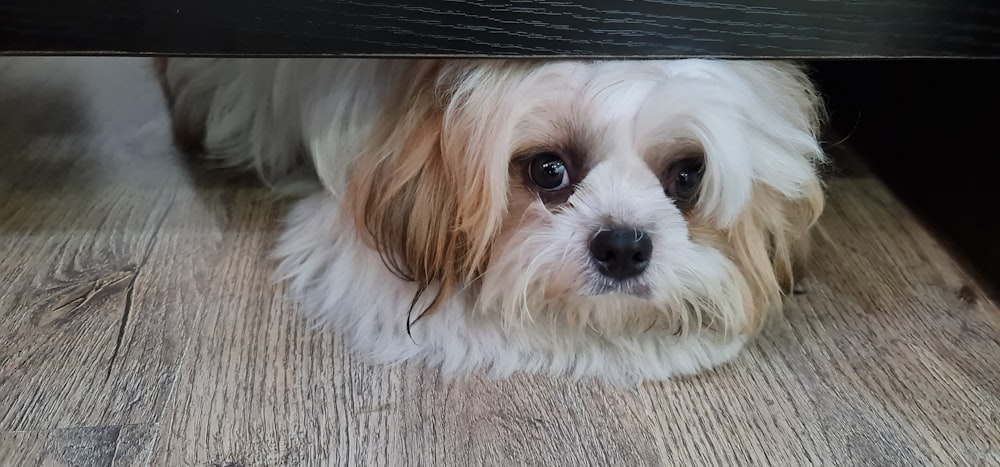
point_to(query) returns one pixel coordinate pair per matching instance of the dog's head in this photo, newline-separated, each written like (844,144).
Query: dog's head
(614,195)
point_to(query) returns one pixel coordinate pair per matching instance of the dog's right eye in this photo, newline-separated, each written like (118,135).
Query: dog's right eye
(548,172)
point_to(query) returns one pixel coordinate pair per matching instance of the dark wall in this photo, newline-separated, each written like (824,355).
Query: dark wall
(931,130)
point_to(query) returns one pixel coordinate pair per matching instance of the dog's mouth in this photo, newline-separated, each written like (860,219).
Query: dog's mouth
(632,287)
(594,284)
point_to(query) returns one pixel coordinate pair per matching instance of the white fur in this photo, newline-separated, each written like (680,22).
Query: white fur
(533,309)
(547,244)
(346,286)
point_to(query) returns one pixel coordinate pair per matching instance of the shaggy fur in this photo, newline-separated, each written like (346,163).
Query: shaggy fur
(427,225)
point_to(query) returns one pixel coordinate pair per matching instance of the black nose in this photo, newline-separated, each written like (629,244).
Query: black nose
(621,253)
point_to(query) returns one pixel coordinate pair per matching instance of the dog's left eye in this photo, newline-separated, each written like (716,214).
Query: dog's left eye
(548,172)
(684,181)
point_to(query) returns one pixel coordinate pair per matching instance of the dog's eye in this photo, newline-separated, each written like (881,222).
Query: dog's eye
(548,172)
(684,180)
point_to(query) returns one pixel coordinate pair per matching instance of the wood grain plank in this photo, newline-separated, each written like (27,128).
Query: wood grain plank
(93,332)
(787,28)
(127,445)
(134,444)
(253,339)
(86,446)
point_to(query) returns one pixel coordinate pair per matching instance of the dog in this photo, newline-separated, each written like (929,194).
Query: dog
(620,220)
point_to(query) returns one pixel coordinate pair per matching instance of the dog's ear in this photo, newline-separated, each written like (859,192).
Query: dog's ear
(773,238)
(429,192)
(769,243)
(791,246)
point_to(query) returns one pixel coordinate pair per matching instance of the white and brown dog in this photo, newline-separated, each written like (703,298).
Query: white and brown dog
(628,220)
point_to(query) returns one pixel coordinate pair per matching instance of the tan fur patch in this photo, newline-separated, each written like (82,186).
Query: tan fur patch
(767,243)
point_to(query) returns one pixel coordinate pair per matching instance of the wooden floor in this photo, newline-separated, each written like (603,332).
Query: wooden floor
(138,326)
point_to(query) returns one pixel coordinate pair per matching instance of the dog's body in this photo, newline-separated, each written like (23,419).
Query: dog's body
(626,220)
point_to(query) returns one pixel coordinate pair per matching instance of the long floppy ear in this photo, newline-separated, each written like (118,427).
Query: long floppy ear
(429,193)
(772,239)
(792,237)
(770,242)
(791,248)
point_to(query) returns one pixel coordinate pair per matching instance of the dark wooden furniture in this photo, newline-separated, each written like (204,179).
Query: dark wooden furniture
(607,28)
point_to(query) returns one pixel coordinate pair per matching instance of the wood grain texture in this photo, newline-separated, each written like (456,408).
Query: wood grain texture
(786,28)
(96,207)
(126,445)
(888,357)
(72,446)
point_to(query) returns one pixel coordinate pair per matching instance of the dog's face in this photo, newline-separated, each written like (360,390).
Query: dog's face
(614,196)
